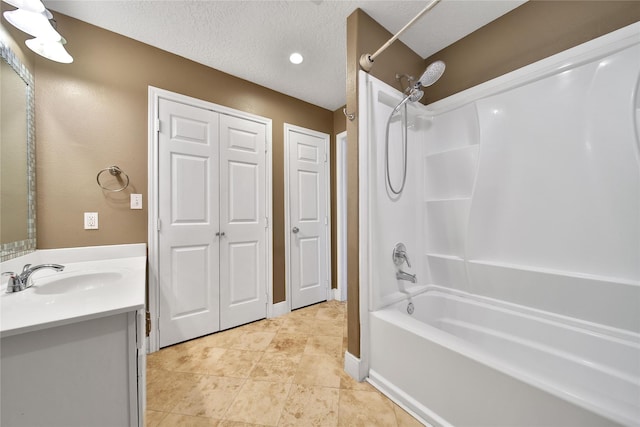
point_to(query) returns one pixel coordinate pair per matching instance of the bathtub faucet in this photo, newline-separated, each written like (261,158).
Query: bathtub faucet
(401,275)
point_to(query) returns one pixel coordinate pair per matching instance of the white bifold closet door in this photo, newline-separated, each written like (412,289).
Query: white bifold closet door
(243,296)
(212,261)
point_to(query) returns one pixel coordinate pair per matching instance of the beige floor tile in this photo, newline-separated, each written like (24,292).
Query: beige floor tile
(309,406)
(229,423)
(279,367)
(321,344)
(318,370)
(235,363)
(253,341)
(266,325)
(211,397)
(288,343)
(327,327)
(365,408)
(224,339)
(298,325)
(331,312)
(194,357)
(153,418)
(170,387)
(404,419)
(178,420)
(347,382)
(309,311)
(259,402)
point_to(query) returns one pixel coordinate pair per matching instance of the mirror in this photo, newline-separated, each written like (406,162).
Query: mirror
(17,157)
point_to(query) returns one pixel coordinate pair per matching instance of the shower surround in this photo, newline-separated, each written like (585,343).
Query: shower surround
(521,214)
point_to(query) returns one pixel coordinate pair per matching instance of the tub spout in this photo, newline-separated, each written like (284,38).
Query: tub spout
(401,275)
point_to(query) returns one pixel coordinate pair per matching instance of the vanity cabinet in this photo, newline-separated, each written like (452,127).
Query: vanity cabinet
(89,373)
(72,345)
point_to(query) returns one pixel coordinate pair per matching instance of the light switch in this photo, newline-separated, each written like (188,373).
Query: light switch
(136,201)
(91,220)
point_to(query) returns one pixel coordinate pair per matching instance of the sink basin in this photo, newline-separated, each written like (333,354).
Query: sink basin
(72,282)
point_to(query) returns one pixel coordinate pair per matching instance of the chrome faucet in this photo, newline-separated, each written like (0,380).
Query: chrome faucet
(401,275)
(21,281)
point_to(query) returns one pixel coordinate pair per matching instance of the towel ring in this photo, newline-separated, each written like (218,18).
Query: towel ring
(114,171)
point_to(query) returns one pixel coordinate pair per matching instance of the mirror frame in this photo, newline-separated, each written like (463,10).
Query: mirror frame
(22,247)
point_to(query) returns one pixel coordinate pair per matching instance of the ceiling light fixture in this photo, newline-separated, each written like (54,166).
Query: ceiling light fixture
(34,19)
(50,49)
(30,5)
(296,58)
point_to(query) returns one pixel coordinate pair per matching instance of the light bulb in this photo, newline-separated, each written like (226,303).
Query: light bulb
(296,58)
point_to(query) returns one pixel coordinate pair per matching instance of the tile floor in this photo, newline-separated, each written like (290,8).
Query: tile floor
(286,371)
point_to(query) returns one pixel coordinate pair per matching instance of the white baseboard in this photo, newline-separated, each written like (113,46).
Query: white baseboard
(354,367)
(406,402)
(336,294)
(278,309)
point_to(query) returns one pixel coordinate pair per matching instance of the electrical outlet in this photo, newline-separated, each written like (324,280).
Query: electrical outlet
(91,220)
(136,201)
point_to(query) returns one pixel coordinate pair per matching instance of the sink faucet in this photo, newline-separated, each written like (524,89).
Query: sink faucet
(401,275)
(21,282)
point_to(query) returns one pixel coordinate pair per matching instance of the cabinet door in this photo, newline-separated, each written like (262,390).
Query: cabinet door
(243,293)
(189,220)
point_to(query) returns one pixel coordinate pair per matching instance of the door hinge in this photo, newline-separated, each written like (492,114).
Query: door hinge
(147,328)
(158,225)
(266,222)
(326,221)
(157,125)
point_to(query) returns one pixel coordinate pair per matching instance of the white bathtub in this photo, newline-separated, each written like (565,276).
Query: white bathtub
(466,360)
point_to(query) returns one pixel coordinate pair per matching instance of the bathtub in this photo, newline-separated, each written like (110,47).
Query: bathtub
(460,359)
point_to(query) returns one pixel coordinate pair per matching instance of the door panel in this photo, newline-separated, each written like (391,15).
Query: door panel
(188,212)
(243,295)
(308,210)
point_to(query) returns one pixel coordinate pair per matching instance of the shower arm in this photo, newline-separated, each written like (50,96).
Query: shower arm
(366,60)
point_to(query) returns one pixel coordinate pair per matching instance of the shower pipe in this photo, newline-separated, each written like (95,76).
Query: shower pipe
(366,60)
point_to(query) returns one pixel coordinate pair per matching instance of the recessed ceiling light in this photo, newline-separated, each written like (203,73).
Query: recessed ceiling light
(296,58)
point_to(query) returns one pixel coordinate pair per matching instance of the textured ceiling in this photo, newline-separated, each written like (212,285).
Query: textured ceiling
(253,39)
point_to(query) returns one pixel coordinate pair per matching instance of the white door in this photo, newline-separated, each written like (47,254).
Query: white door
(188,211)
(243,294)
(308,233)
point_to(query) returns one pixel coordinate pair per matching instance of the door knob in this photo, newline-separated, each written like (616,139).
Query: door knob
(221,234)
(295,229)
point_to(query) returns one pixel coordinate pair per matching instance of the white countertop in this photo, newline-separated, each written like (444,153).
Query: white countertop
(97,281)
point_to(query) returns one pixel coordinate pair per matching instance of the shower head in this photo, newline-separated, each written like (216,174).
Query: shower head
(433,72)
(413,96)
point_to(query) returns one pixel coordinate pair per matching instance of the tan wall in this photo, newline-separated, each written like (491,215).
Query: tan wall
(93,113)
(531,32)
(528,33)
(364,35)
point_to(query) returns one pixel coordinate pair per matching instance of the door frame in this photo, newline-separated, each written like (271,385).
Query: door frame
(153,296)
(341,216)
(287,221)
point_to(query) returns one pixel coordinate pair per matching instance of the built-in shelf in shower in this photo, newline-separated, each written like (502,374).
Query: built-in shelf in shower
(450,174)
(454,150)
(447,270)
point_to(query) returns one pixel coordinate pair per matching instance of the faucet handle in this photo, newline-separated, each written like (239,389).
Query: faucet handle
(26,267)
(11,283)
(400,255)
